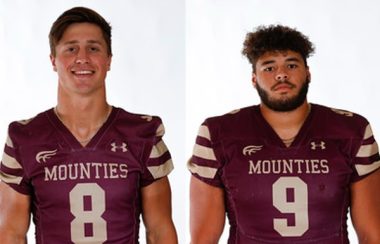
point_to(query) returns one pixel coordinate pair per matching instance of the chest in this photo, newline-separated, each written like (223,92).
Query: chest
(274,191)
(55,171)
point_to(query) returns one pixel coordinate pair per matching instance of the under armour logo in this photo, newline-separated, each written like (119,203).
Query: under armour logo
(122,147)
(251,149)
(45,155)
(321,145)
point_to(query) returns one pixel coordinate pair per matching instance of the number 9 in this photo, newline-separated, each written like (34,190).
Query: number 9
(299,207)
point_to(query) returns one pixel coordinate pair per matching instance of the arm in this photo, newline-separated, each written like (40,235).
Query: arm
(156,213)
(365,208)
(14,215)
(207,212)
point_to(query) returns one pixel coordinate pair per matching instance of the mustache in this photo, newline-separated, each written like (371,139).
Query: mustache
(291,85)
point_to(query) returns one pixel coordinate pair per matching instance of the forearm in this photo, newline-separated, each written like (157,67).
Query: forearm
(205,233)
(204,239)
(370,238)
(156,199)
(166,234)
(14,215)
(365,208)
(7,237)
(207,212)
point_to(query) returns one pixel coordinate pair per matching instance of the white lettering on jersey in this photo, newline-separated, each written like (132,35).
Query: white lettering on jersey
(343,112)
(147,118)
(298,207)
(290,166)
(235,111)
(45,155)
(81,171)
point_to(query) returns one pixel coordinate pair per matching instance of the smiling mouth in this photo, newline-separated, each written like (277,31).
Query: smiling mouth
(83,72)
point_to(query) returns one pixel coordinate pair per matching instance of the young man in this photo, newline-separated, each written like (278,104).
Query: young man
(85,169)
(284,171)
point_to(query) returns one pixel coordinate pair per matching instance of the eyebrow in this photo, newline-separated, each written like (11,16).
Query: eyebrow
(267,62)
(89,41)
(293,59)
(290,59)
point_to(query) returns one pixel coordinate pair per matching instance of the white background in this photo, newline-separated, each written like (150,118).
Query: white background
(344,69)
(147,72)
(181,60)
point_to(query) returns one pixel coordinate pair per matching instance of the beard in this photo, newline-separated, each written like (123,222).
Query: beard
(287,104)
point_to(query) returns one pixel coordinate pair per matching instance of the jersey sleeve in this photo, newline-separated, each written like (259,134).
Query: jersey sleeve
(367,159)
(203,164)
(11,169)
(159,163)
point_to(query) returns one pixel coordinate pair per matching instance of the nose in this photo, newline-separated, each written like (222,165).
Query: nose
(281,75)
(82,58)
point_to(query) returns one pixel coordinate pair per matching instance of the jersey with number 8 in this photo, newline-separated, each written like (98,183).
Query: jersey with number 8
(85,194)
(278,194)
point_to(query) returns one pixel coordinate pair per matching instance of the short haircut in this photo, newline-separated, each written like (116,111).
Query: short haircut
(275,38)
(78,15)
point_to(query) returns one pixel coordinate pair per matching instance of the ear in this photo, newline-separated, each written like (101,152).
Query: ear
(308,74)
(52,60)
(109,62)
(254,79)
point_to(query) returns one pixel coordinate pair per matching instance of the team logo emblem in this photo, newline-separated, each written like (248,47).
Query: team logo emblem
(41,157)
(321,145)
(251,149)
(116,147)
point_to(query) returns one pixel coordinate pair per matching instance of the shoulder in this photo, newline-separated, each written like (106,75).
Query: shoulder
(232,116)
(340,120)
(234,123)
(139,124)
(29,128)
(338,113)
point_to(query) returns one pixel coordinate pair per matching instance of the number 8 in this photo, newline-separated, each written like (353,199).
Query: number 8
(299,207)
(93,216)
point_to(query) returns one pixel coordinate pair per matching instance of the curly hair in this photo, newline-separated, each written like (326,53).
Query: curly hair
(275,38)
(78,15)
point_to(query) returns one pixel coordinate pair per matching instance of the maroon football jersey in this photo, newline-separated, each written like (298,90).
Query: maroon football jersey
(279,194)
(85,194)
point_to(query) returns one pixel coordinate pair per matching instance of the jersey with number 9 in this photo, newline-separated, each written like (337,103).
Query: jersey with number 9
(279,194)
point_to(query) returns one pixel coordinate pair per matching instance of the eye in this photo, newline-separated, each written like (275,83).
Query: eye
(70,49)
(269,69)
(94,49)
(292,66)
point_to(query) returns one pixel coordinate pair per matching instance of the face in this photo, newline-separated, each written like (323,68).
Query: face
(282,80)
(81,59)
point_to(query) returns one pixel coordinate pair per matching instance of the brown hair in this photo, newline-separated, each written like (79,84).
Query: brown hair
(78,15)
(275,38)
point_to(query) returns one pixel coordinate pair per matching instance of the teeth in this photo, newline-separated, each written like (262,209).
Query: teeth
(83,72)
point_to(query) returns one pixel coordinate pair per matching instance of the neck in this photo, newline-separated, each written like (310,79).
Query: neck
(83,116)
(286,124)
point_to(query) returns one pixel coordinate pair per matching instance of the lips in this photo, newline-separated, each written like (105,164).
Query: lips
(282,87)
(285,85)
(82,72)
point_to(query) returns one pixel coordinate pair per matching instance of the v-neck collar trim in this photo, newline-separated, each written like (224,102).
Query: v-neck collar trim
(66,134)
(274,137)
